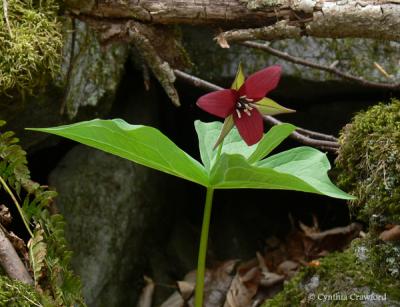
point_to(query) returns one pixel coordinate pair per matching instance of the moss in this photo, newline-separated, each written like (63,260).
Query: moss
(30,47)
(342,275)
(368,163)
(16,294)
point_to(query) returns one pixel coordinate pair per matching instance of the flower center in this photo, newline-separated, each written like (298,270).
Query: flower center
(245,105)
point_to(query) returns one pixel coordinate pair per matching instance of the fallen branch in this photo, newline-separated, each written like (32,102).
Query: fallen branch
(304,136)
(11,262)
(330,69)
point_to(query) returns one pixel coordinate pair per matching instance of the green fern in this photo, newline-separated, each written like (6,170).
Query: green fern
(37,254)
(48,250)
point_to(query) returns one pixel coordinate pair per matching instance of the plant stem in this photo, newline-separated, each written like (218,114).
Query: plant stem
(21,212)
(201,264)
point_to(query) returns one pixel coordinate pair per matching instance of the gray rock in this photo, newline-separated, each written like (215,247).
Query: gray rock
(110,207)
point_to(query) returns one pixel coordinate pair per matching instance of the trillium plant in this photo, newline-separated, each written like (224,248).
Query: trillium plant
(230,158)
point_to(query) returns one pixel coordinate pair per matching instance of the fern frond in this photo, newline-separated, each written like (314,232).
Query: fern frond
(48,249)
(37,254)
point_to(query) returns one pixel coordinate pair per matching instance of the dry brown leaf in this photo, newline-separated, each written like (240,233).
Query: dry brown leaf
(146,297)
(288,268)
(222,42)
(5,216)
(393,234)
(185,289)
(270,279)
(175,300)
(217,283)
(243,288)
(314,263)
(19,245)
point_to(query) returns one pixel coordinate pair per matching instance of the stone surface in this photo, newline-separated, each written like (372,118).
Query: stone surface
(109,206)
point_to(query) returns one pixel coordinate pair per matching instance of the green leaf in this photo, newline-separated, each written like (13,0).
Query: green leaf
(239,79)
(271,140)
(141,144)
(267,106)
(300,169)
(208,133)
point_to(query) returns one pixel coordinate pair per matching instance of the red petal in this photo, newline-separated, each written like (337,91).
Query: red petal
(219,103)
(251,128)
(261,83)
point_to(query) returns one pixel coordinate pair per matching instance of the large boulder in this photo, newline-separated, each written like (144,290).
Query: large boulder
(110,206)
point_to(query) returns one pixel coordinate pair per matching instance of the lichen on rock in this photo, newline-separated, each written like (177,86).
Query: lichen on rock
(30,44)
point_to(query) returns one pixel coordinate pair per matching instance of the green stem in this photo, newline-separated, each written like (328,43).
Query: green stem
(201,264)
(17,205)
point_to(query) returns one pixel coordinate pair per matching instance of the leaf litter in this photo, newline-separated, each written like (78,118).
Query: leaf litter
(235,283)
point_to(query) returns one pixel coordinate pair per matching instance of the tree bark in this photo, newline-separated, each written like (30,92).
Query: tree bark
(279,19)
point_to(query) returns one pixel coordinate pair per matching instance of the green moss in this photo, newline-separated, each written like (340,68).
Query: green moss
(30,47)
(342,274)
(16,294)
(368,163)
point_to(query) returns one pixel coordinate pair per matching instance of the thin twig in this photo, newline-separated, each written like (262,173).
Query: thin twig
(21,212)
(5,11)
(330,69)
(304,136)
(322,144)
(317,135)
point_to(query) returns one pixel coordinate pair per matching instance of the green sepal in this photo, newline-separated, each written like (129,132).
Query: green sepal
(226,128)
(239,79)
(267,106)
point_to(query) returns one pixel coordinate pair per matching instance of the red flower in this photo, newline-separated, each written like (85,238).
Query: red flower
(245,102)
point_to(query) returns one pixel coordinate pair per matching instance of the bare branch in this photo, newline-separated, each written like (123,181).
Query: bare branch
(160,68)
(280,30)
(330,69)
(304,136)
(197,82)
(322,144)
(317,135)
